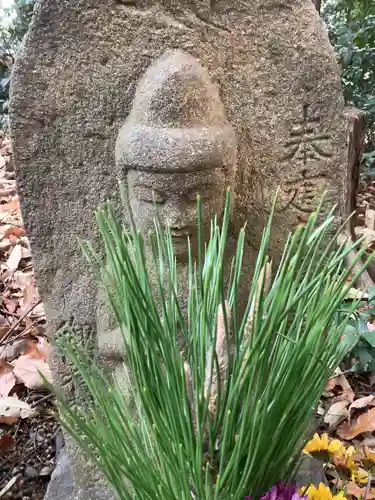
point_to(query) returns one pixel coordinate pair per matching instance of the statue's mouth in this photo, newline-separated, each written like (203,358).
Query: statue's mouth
(181,232)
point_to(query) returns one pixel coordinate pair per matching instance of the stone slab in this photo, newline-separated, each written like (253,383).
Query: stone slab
(72,90)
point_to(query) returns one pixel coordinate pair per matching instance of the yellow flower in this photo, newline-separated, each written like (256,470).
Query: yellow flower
(370,454)
(360,476)
(317,443)
(322,443)
(322,492)
(344,461)
(336,446)
(367,458)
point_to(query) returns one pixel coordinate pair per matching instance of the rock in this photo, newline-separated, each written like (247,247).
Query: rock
(61,486)
(310,471)
(265,71)
(31,472)
(59,442)
(46,471)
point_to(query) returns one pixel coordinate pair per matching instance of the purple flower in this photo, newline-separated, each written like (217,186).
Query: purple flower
(281,491)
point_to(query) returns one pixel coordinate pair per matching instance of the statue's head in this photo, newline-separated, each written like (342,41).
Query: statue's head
(176,143)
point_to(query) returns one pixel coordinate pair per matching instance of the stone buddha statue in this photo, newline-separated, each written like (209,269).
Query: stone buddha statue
(176,142)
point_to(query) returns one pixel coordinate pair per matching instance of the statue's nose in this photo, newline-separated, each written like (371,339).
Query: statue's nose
(179,223)
(180,215)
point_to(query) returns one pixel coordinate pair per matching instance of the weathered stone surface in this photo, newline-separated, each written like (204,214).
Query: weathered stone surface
(62,485)
(73,89)
(176,143)
(310,471)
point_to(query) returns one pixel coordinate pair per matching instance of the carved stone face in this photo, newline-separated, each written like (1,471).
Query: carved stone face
(175,143)
(174,197)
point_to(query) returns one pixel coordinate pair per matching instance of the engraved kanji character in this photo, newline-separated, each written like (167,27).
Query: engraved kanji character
(304,143)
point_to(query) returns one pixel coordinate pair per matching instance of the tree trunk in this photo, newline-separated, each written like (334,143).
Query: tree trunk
(356,127)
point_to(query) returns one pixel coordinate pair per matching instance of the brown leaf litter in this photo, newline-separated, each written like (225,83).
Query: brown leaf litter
(28,424)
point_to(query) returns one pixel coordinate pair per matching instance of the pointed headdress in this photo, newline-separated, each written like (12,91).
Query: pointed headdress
(178,122)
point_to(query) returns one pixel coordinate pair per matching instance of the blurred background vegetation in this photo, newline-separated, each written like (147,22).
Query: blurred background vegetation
(351,27)
(13,26)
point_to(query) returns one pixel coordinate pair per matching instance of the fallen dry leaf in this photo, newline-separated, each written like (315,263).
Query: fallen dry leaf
(8,191)
(5,275)
(4,183)
(336,414)
(6,442)
(38,312)
(369,440)
(12,351)
(5,245)
(11,409)
(3,331)
(16,294)
(22,279)
(7,382)
(27,299)
(5,368)
(341,382)
(358,492)
(13,207)
(364,423)
(38,348)
(7,379)
(15,231)
(11,304)
(46,471)
(26,252)
(14,258)
(13,240)
(362,402)
(368,236)
(27,368)
(6,146)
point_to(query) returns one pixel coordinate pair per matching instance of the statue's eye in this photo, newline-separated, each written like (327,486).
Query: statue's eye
(157,197)
(152,197)
(192,196)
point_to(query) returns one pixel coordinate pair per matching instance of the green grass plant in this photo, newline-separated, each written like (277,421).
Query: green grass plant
(229,415)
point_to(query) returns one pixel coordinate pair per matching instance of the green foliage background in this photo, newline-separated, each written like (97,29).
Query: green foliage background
(351,26)
(12,30)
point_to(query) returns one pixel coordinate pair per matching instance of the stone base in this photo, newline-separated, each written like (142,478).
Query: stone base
(310,471)
(62,486)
